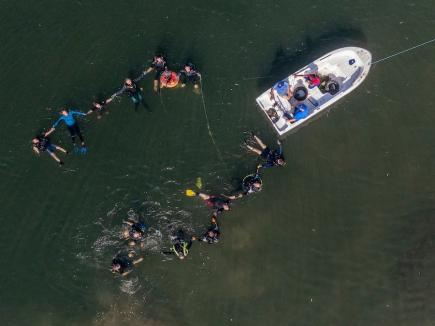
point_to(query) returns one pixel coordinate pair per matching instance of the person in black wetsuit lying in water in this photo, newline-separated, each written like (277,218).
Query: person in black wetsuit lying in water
(213,232)
(135,232)
(272,157)
(99,107)
(180,244)
(123,265)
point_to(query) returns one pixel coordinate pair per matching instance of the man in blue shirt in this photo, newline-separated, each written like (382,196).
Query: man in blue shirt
(67,116)
(301,112)
(283,89)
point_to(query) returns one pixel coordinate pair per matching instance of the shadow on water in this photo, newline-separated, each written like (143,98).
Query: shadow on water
(287,61)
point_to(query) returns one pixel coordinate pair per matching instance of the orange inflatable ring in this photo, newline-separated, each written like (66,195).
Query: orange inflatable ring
(169,79)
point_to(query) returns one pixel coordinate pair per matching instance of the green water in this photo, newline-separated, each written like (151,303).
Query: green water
(344,235)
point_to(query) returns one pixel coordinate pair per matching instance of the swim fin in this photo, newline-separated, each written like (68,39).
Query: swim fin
(190,193)
(198,183)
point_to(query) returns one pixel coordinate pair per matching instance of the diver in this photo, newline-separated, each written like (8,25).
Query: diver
(135,232)
(213,233)
(43,144)
(67,116)
(189,74)
(124,265)
(272,157)
(159,65)
(133,91)
(99,107)
(251,184)
(180,246)
(218,203)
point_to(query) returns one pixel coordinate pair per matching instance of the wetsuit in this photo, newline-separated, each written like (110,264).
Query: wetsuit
(44,145)
(133,91)
(271,157)
(137,227)
(217,203)
(211,239)
(94,108)
(159,64)
(248,185)
(192,76)
(125,263)
(71,124)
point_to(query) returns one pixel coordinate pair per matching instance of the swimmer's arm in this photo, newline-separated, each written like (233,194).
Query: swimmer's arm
(137,261)
(279,151)
(77,113)
(36,150)
(234,196)
(54,126)
(126,273)
(51,129)
(150,68)
(119,92)
(128,222)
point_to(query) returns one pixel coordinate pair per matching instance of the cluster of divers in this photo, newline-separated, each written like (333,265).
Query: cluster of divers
(135,232)
(164,78)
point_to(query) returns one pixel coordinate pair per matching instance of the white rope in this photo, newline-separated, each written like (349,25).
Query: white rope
(403,51)
(208,125)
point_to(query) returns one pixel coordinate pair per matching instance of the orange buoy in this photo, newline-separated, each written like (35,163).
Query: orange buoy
(169,79)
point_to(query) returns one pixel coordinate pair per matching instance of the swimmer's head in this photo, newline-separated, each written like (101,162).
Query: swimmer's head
(280,162)
(128,81)
(64,111)
(116,267)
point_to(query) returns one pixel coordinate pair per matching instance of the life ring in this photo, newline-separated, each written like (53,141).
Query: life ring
(169,79)
(300,93)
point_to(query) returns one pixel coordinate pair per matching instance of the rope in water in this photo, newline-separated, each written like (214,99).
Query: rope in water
(208,124)
(403,51)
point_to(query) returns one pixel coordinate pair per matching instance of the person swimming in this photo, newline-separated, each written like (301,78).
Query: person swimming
(42,143)
(124,265)
(159,65)
(132,90)
(135,233)
(67,116)
(99,107)
(189,74)
(272,157)
(218,203)
(213,233)
(180,246)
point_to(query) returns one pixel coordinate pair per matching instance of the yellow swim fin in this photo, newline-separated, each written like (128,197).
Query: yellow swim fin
(190,193)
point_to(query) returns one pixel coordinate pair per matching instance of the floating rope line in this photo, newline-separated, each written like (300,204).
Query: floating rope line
(208,125)
(403,51)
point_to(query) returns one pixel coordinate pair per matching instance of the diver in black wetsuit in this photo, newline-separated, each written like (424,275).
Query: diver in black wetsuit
(99,107)
(135,233)
(189,74)
(124,265)
(159,65)
(272,157)
(180,245)
(213,232)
